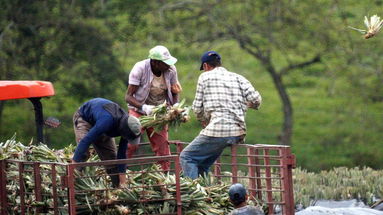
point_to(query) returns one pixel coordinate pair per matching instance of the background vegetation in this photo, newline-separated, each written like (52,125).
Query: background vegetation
(321,82)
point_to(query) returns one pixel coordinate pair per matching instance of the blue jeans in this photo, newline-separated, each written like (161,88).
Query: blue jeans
(202,152)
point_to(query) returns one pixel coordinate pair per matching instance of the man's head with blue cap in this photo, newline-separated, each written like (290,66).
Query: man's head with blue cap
(237,193)
(210,57)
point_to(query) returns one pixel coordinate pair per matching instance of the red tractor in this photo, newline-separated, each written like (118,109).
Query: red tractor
(34,91)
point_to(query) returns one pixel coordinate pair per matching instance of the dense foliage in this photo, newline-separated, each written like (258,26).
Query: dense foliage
(321,82)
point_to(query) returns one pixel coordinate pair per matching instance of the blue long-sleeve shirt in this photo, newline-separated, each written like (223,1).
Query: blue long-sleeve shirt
(103,122)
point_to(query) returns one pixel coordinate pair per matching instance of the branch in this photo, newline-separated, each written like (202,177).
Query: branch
(285,70)
(244,42)
(174,6)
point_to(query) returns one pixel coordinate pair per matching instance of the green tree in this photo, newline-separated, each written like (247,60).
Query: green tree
(67,43)
(282,35)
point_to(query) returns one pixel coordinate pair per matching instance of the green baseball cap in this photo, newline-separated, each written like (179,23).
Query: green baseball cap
(162,53)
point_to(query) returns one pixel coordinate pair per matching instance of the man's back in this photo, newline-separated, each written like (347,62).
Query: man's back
(222,91)
(221,99)
(94,109)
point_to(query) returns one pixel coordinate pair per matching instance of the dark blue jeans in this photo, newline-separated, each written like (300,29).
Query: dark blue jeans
(197,158)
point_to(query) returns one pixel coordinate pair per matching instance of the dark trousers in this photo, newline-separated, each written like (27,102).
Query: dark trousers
(105,146)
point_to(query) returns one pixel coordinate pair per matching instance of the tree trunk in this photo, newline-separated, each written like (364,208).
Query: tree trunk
(285,137)
(264,57)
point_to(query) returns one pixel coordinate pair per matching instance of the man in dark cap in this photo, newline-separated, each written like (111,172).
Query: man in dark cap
(238,196)
(220,104)
(96,122)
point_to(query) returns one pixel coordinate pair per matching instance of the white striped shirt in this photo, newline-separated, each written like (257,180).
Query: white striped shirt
(221,100)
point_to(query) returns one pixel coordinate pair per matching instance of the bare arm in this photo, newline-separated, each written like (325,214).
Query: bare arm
(176,89)
(129,98)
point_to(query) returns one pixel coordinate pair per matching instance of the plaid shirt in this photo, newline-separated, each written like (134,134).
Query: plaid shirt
(221,100)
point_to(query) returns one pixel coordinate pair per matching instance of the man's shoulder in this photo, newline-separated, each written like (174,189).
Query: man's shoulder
(247,210)
(143,62)
(239,77)
(227,72)
(172,70)
(142,65)
(97,102)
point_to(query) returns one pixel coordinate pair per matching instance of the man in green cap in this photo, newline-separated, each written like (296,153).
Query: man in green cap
(152,82)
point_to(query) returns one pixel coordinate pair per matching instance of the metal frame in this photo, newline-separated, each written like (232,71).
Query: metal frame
(267,169)
(39,117)
(134,161)
(260,162)
(3,188)
(35,170)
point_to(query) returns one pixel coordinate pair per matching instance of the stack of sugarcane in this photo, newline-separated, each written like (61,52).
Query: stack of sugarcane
(148,191)
(163,115)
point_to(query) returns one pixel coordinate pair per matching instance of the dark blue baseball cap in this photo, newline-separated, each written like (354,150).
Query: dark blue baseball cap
(237,193)
(209,56)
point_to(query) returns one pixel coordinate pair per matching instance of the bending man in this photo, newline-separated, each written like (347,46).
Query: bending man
(96,122)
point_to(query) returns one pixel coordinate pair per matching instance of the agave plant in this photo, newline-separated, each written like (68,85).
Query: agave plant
(373,26)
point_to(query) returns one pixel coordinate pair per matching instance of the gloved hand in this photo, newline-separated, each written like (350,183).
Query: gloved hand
(147,109)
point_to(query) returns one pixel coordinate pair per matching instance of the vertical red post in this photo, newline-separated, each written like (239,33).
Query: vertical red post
(269,186)
(54,189)
(178,147)
(38,189)
(22,190)
(71,190)
(217,169)
(258,171)
(178,186)
(3,187)
(251,165)
(288,163)
(234,167)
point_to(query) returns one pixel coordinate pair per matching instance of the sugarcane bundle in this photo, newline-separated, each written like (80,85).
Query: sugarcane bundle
(373,26)
(163,115)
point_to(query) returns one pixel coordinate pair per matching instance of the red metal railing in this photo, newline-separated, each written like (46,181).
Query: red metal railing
(266,170)
(33,184)
(140,165)
(22,190)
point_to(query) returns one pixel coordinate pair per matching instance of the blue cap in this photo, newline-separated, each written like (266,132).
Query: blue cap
(237,193)
(209,56)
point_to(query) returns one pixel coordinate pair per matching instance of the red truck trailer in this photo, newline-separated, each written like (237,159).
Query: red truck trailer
(26,187)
